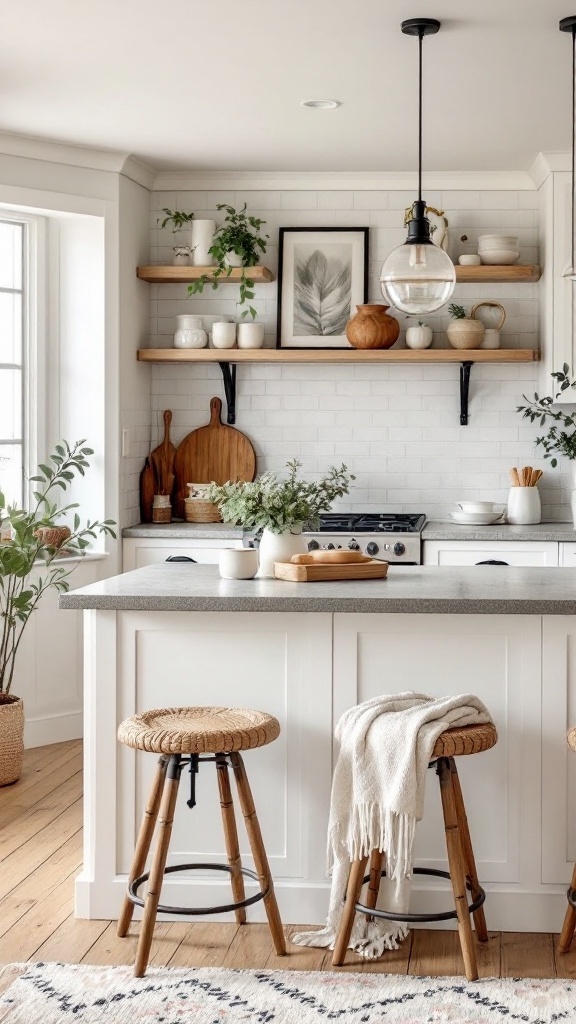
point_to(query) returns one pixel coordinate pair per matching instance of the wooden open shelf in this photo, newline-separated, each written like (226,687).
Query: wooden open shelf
(494,275)
(343,355)
(180,275)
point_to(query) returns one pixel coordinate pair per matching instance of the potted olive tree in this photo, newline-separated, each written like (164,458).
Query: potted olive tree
(30,564)
(237,243)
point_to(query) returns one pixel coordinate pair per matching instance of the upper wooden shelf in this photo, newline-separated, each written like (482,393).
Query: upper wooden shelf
(179,275)
(340,355)
(493,275)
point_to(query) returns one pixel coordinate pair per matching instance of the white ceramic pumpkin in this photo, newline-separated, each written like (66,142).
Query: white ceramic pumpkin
(419,336)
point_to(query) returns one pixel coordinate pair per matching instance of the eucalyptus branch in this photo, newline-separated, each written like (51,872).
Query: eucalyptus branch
(560,440)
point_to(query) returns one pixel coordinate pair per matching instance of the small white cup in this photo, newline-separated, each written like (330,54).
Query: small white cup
(250,335)
(223,334)
(238,563)
(469,260)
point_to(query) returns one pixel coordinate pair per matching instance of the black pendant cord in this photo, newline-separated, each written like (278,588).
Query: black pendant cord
(420,38)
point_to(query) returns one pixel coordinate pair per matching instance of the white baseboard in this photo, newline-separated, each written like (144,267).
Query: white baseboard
(38,732)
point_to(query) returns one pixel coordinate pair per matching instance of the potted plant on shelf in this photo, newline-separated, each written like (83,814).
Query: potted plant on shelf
(463,331)
(279,506)
(561,436)
(32,540)
(237,243)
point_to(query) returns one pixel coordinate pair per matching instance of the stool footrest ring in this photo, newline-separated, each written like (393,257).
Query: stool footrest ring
(132,890)
(447,915)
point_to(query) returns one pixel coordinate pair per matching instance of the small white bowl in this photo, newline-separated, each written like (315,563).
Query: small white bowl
(475,506)
(497,241)
(499,257)
(469,260)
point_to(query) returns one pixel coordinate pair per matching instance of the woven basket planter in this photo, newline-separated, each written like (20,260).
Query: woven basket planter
(11,738)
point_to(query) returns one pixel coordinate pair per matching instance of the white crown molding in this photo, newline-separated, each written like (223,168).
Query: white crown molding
(62,153)
(139,172)
(183,181)
(548,163)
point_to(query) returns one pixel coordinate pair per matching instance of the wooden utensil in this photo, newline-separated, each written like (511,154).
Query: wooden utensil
(214,452)
(147,490)
(321,571)
(162,459)
(515,477)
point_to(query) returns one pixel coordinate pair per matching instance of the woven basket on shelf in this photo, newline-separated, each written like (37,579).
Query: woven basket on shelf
(198,511)
(11,738)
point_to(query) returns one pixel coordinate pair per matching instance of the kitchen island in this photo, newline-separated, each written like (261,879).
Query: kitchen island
(177,634)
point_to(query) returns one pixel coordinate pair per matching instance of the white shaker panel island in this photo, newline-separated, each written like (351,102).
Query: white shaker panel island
(177,634)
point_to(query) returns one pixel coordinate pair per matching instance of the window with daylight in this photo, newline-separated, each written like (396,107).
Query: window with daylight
(12,359)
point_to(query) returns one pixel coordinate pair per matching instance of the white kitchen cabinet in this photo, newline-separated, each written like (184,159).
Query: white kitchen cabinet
(558,760)
(567,555)
(141,551)
(470,552)
(556,292)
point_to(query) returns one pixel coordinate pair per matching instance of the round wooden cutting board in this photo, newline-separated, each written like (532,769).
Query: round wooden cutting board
(212,453)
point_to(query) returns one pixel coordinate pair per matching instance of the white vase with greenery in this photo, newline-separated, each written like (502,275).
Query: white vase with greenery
(561,436)
(30,550)
(279,506)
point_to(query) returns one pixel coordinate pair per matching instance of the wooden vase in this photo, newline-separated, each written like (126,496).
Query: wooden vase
(371,327)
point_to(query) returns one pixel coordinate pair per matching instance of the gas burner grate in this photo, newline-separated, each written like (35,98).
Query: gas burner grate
(382,522)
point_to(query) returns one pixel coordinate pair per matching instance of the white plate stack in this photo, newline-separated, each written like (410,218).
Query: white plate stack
(477,513)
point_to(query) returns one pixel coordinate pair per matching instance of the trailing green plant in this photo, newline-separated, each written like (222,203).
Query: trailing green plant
(26,550)
(178,219)
(279,503)
(457,312)
(561,438)
(238,234)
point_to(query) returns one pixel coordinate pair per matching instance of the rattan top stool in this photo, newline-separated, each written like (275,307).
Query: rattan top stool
(567,933)
(470,739)
(187,737)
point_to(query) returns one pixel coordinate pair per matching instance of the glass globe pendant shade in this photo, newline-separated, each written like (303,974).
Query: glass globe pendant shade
(417,277)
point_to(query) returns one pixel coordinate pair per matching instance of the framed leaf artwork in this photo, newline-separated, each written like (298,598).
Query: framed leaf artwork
(322,277)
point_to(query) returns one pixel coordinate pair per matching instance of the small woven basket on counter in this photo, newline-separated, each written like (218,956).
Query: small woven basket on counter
(196,510)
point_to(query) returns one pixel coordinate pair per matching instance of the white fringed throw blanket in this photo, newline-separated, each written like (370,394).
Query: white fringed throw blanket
(377,798)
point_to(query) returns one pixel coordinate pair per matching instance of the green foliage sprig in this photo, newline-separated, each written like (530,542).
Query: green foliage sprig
(238,234)
(279,504)
(179,219)
(457,312)
(19,595)
(557,440)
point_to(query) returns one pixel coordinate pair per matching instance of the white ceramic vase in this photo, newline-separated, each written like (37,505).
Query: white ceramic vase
(233,259)
(524,507)
(189,332)
(250,335)
(279,547)
(202,237)
(223,334)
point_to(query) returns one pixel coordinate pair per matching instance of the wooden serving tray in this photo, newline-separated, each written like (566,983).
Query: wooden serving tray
(314,573)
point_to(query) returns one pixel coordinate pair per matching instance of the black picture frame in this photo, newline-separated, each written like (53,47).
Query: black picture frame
(338,256)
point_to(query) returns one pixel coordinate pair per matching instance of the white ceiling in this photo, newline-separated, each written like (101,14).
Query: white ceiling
(217,84)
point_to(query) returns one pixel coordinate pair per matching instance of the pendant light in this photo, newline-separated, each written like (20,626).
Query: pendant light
(418,277)
(569,25)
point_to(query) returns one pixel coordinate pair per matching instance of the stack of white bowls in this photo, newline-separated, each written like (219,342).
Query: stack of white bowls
(476,513)
(498,250)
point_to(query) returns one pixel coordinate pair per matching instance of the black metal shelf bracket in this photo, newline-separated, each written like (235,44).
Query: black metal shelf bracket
(229,378)
(464,391)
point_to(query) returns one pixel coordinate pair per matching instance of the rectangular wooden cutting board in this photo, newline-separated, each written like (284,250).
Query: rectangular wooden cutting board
(314,573)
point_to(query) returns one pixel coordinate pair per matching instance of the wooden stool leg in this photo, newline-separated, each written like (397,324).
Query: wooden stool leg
(471,872)
(457,868)
(259,853)
(158,865)
(569,922)
(143,843)
(374,884)
(353,891)
(231,837)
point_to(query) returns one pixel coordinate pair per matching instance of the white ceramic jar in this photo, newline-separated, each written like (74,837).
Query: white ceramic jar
(250,335)
(238,563)
(223,334)
(189,332)
(524,507)
(419,336)
(202,238)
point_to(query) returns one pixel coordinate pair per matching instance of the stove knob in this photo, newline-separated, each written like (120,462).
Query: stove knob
(372,548)
(399,548)
(353,545)
(330,547)
(313,545)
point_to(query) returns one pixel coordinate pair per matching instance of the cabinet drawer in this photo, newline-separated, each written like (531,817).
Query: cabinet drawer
(470,552)
(568,555)
(140,552)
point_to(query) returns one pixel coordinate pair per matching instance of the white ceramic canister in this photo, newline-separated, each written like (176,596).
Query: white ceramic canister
(238,563)
(189,332)
(419,336)
(279,547)
(524,507)
(250,335)
(202,238)
(223,334)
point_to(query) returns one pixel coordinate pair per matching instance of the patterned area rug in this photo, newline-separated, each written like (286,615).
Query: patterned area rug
(57,993)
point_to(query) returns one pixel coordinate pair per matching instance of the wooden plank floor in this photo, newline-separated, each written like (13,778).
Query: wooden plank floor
(40,855)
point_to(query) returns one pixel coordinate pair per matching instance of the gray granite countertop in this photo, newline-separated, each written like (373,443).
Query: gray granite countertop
(187,531)
(501,531)
(476,590)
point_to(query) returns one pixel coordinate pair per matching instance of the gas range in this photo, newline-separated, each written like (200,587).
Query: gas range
(394,537)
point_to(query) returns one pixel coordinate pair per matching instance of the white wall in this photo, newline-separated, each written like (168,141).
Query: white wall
(396,427)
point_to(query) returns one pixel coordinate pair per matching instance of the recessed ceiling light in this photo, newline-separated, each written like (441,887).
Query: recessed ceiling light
(321,104)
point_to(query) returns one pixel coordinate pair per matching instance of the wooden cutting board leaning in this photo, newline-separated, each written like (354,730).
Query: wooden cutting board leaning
(162,459)
(214,452)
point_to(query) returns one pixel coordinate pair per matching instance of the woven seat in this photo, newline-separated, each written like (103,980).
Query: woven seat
(470,739)
(198,730)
